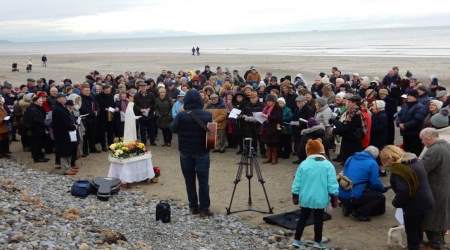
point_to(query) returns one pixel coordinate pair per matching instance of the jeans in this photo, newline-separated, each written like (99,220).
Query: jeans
(147,129)
(196,167)
(318,223)
(413,229)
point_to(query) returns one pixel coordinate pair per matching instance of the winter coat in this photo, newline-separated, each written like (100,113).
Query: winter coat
(270,132)
(104,102)
(413,116)
(351,133)
(34,120)
(177,107)
(163,110)
(251,127)
(304,113)
(191,137)
(314,132)
(3,123)
(362,169)
(314,182)
(323,115)
(437,165)
(219,114)
(422,201)
(290,100)
(18,113)
(62,124)
(379,130)
(287,118)
(144,101)
(444,134)
(367,119)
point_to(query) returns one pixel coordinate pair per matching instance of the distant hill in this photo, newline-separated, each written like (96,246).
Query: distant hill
(4,41)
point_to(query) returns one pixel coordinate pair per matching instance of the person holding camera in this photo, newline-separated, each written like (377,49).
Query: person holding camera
(314,186)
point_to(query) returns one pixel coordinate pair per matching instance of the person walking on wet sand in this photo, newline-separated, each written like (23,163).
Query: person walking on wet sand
(198,51)
(44,61)
(193,51)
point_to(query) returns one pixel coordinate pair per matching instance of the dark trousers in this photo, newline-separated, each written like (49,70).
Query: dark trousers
(318,223)
(196,167)
(89,138)
(37,144)
(371,203)
(147,129)
(167,134)
(285,148)
(4,144)
(413,144)
(413,228)
(390,131)
(106,134)
(74,155)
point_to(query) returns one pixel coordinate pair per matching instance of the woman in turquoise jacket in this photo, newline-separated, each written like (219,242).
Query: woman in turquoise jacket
(313,186)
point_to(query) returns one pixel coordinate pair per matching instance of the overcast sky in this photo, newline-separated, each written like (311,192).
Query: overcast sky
(40,20)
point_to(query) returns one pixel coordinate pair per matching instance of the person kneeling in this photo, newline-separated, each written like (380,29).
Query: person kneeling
(314,183)
(364,196)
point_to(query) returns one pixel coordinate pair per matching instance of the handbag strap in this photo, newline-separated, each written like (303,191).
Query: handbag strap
(198,121)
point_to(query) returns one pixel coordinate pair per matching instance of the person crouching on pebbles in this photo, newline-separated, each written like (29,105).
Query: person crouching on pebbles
(313,186)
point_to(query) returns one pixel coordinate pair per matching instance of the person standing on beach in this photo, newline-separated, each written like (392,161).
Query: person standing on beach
(198,51)
(89,109)
(144,105)
(44,61)
(29,65)
(194,156)
(193,51)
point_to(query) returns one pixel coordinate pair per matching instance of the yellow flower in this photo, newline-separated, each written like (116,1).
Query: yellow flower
(113,146)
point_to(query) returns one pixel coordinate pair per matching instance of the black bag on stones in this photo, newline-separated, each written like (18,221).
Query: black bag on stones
(163,212)
(105,187)
(81,188)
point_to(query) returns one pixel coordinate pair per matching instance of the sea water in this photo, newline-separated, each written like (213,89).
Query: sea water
(392,42)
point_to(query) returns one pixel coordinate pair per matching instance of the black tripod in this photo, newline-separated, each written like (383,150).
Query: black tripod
(249,161)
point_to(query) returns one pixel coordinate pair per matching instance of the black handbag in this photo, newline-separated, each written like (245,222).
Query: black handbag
(81,188)
(163,212)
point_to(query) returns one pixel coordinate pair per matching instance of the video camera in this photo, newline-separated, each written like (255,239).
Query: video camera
(248,149)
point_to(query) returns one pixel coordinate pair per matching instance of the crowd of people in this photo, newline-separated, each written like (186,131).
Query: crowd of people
(352,117)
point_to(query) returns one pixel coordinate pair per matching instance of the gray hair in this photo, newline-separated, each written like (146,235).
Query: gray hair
(372,150)
(430,133)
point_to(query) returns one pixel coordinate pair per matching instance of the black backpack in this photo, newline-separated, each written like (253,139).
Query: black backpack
(81,188)
(163,212)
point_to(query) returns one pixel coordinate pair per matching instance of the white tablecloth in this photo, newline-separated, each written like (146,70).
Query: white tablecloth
(134,169)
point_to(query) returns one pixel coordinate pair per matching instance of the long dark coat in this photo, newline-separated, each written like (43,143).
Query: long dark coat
(163,110)
(62,124)
(270,133)
(437,164)
(351,133)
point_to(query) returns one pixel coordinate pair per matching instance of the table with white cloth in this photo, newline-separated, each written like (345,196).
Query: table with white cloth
(133,169)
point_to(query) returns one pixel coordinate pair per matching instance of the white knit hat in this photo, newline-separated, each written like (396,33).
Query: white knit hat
(281,99)
(437,103)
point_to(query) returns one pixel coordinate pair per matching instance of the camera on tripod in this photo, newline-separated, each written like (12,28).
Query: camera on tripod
(248,149)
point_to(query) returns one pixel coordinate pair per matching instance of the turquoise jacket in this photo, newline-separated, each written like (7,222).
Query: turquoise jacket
(314,182)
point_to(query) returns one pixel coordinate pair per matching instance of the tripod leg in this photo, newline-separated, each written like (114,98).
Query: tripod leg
(236,181)
(262,181)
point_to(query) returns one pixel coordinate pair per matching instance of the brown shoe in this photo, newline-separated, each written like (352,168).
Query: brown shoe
(75,167)
(206,213)
(71,172)
(268,156)
(274,156)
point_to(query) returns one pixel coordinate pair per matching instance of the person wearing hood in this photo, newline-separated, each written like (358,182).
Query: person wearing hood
(379,129)
(436,161)
(410,120)
(194,156)
(313,188)
(364,198)
(412,191)
(18,115)
(433,108)
(219,115)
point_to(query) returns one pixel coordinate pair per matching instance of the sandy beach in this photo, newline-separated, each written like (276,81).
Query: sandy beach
(343,232)
(76,66)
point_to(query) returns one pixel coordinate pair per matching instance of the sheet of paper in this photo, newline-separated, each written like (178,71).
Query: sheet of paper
(303,120)
(111,109)
(399,216)
(294,123)
(7,118)
(235,113)
(259,117)
(73,136)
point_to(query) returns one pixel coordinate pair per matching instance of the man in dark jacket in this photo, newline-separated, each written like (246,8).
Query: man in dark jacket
(89,109)
(63,125)
(194,156)
(379,131)
(250,126)
(302,112)
(392,82)
(105,102)
(144,106)
(410,120)
(34,120)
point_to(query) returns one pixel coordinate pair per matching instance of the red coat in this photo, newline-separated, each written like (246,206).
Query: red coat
(368,124)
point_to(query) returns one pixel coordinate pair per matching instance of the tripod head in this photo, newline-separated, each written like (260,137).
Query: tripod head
(248,149)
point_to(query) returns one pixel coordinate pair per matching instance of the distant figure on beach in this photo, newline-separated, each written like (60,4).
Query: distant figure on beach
(14,67)
(193,51)
(29,65)
(198,51)
(44,61)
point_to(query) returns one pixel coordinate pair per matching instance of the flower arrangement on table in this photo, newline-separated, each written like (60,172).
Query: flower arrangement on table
(123,150)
